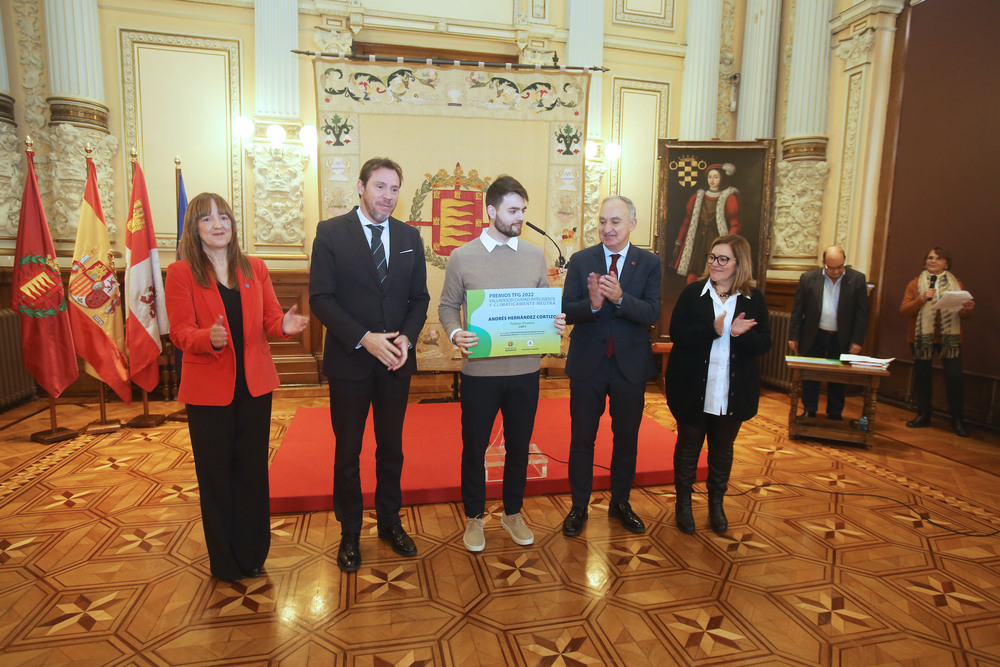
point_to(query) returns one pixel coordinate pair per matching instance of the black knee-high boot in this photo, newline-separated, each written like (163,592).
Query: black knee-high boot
(686,453)
(719,466)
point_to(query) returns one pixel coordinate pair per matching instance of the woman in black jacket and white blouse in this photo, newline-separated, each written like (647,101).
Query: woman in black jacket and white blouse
(719,329)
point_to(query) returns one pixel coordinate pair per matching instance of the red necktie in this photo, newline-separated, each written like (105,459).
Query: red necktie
(613,271)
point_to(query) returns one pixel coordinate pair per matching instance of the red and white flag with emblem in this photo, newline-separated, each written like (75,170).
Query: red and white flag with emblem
(95,308)
(37,295)
(147,312)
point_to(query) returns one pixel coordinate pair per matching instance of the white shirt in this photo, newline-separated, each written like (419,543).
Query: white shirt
(491,245)
(831,297)
(717,387)
(384,226)
(621,260)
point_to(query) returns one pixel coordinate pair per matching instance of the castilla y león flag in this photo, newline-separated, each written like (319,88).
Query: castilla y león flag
(147,313)
(94,302)
(37,294)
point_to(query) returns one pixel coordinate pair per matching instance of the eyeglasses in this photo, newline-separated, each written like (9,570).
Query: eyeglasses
(721,260)
(834,268)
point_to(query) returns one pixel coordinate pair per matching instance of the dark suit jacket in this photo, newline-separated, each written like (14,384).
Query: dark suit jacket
(692,331)
(852,310)
(345,294)
(208,376)
(629,323)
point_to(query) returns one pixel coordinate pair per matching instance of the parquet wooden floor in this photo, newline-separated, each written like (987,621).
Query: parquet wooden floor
(102,562)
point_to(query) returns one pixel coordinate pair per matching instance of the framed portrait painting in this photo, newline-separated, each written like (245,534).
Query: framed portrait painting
(708,189)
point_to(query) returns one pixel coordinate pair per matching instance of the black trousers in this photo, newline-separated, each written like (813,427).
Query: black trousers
(721,433)
(385,393)
(516,398)
(229,443)
(825,346)
(923,380)
(586,405)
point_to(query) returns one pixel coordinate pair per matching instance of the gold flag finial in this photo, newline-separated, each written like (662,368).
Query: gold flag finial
(134,154)
(89,149)
(177,161)
(29,143)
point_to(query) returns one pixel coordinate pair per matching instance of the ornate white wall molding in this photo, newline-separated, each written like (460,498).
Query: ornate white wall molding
(333,41)
(592,201)
(533,57)
(798,208)
(11,180)
(858,49)
(849,157)
(68,169)
(31,58)
(279,209)
(727,67)
(644,14)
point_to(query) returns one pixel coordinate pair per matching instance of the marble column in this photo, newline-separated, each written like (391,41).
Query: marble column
(279,170)
(10,154)
(78,114)
(759,78)
(802,169)
(585,46)
(700,82)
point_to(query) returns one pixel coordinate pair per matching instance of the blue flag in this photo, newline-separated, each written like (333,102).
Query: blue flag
(182,204)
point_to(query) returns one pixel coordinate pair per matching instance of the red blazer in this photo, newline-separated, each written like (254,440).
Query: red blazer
(208,376)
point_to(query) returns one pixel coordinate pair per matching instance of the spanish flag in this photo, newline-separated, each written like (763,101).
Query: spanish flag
(94,296)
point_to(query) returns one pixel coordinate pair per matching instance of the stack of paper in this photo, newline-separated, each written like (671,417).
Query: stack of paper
(866,362)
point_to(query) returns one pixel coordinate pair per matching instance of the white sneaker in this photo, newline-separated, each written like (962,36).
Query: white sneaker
(519,532)
(475,539)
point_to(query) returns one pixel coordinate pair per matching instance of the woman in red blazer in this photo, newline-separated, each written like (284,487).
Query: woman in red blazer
(221,308)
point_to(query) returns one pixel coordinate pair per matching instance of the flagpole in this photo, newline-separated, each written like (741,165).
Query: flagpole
(55,433)
(145,420)
(174,358)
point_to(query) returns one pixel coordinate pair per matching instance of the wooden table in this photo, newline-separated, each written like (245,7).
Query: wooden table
(833,371)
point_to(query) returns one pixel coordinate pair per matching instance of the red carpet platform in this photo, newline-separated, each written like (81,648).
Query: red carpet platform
(302,471)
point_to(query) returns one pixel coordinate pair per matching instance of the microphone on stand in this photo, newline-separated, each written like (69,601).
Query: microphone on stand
(933,281)
(561,262)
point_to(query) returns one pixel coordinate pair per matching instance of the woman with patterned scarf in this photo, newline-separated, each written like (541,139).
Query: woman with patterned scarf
(936,331)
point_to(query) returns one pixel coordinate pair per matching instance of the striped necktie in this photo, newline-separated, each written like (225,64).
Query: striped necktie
(378,251)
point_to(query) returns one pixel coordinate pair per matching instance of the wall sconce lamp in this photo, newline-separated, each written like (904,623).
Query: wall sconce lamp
(243,127)
(609,151)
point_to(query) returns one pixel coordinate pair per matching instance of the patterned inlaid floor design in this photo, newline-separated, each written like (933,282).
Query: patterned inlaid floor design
(102,562)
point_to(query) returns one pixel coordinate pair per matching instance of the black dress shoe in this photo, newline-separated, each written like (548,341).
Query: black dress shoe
(398,540)
(808,413)
(573,523)
(623,512)
(349,556)
(252,573)
(920,421)
(958,425)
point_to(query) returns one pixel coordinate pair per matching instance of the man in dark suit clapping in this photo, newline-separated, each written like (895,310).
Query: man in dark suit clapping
(829,317)
(368,286)
(612,296)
